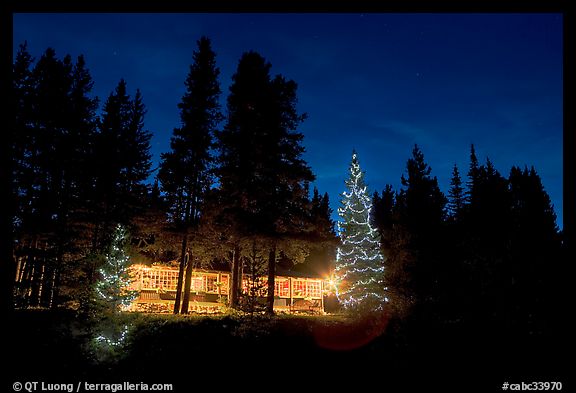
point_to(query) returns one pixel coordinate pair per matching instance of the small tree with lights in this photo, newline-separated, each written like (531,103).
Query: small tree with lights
(359,261)
(113,295)
(113,289)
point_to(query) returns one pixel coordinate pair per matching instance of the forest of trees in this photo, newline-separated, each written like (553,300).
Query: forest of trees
(234,192)
(487,254)
(225,195)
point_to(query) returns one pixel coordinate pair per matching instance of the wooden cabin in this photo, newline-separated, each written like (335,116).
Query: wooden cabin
(209,290)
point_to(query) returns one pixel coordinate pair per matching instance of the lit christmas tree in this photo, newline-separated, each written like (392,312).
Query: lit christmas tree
(359,261)
(113,288)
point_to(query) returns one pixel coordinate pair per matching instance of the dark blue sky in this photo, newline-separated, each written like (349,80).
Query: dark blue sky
(378,83)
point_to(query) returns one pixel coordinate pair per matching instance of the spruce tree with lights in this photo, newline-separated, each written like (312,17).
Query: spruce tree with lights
(113,294)
(359,261)
(113,289)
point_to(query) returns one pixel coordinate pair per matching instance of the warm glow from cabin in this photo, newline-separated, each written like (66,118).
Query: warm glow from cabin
(209,290)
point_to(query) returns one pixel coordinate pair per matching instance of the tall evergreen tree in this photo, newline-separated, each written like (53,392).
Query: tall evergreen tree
(136,168)
(17,168)
(261,172)
(77,147)
(421,208)
(456,283)
(56,124)
(123,155)
(50,105)
(456,193)
(315,202)
(472,173)
(394,240)
(20,146)
(83,126)
(359,261)
(424,202)
(490,203)
(535,254)
(489,226)
(185,172)
(321,215)
(109,149)
(383,209)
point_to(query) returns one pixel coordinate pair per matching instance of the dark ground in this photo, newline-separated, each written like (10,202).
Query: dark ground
(301,353)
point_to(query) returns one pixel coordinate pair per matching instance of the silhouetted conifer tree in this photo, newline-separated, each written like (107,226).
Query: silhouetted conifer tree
(421,208)
(123,161)
(262,175)
(457,198)
(535,253)
(185,172)
(52,140)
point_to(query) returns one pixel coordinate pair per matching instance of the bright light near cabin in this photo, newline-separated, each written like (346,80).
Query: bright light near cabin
(331,284)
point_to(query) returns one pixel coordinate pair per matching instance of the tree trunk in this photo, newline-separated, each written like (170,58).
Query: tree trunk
(25,284)
(55,288)
(55,276)
(181,273)
(54,299)
(34,299)
(45,284)
(240,277)
(187,283)
(235,278)
(271,278)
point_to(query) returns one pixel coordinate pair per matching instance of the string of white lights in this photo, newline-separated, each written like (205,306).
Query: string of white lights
(113,341)
(115,282)
(360,264)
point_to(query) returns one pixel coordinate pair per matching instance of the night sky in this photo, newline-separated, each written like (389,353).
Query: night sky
(378,83)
